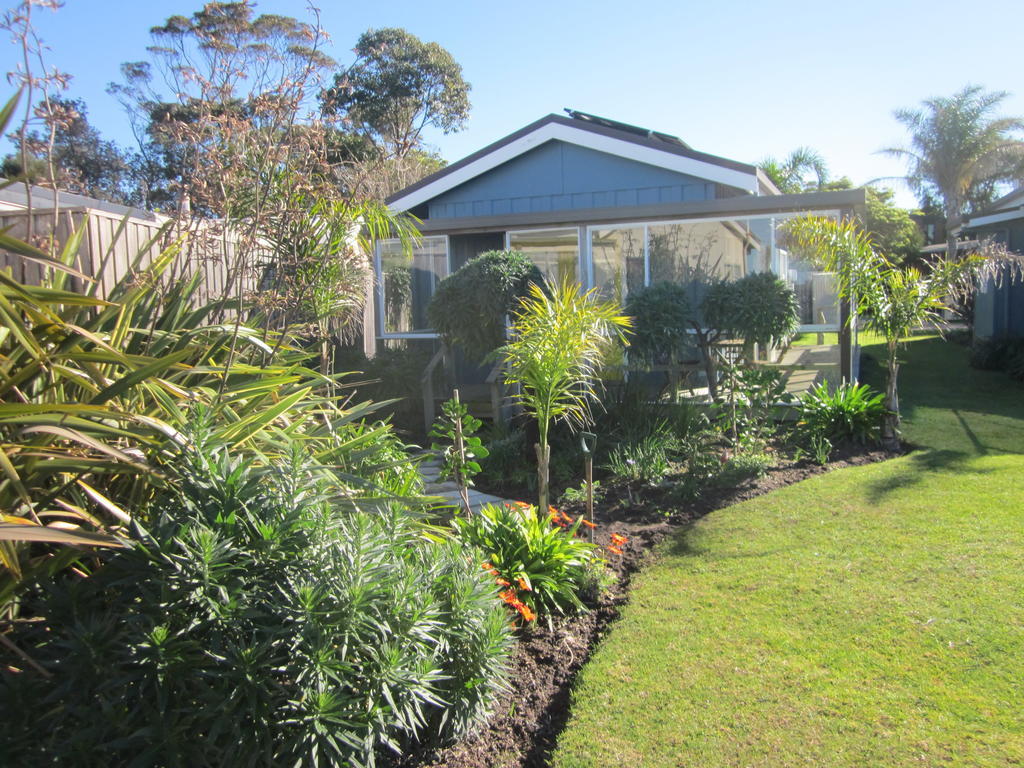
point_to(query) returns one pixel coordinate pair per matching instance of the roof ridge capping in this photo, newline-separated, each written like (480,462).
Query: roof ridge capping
(554,126)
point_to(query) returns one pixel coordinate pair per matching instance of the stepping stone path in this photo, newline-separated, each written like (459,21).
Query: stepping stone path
(448,490)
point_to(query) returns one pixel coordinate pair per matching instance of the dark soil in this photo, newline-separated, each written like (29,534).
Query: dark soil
(526,723)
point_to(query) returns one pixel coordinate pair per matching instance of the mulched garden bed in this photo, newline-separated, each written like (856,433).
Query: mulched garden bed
(527,721)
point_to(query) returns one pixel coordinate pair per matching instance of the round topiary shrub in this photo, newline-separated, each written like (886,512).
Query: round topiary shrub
(760,308)
(255,624)
(662,317)
(469,307)
(766,310)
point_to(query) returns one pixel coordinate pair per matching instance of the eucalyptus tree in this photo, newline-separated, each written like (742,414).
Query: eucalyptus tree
(559,338)
(959,150)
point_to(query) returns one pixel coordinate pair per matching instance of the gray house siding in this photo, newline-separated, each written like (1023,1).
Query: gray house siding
(999,310)
(558,176)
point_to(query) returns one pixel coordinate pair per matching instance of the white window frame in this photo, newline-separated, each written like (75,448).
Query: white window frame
(581,273)
(379,293)
(589,270)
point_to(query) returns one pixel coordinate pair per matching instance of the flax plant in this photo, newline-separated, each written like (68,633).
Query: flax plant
(559,337)
(96,393)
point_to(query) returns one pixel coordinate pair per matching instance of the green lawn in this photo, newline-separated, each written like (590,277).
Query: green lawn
(870,616)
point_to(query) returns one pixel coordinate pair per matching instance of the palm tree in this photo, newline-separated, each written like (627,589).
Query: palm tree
(959,150)
(892,301)
(559,337)
(790,173)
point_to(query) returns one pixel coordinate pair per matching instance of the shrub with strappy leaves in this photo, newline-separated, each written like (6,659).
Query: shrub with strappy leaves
(849,412)
(543,562)
(95,394)
(254,624)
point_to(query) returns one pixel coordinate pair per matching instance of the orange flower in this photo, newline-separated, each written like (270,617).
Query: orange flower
(508,596)
(618,539)
(614,550)
(556,518)
(523,585)
(588,523)
(503,583)
(525,612)
(520,504)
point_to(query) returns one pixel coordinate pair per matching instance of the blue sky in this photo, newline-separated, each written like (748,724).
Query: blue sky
(740,78)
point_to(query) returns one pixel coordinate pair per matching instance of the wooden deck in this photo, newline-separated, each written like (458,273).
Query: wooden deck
(809,366)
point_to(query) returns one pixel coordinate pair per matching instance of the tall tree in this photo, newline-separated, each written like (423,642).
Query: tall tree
(222,87)
(959,151)
(892,228)
(398,86)
(83,161)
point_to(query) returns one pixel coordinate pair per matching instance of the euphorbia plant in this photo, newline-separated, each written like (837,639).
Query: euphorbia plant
(559,337)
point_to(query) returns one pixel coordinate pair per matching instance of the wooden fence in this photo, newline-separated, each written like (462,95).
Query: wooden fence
(116,245)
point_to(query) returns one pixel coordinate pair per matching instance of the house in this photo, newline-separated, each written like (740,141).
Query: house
(612,205)
(999,308)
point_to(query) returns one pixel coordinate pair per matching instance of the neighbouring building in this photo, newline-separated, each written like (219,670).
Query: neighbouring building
(999,307)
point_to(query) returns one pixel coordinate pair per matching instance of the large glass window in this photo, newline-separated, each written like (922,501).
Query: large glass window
(815,291)
(407,282)
(687,252)
(618,260)
(556,252)
(696,253)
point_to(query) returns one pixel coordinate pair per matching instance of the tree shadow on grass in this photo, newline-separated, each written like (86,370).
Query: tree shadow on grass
(919,467)
(934,373)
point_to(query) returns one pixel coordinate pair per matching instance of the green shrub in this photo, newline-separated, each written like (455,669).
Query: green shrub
(701,455)
(752,393)
(254,625)
(391,377)
(96,394)
(662,315)
(545,565)
(743,466)
(1002,354)
(1015,363)
(630,416)
(644,461)
(765,309)
(988,355)
(851,412)
(470,305)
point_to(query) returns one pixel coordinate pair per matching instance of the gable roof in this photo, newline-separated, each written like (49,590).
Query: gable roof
(584,130)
